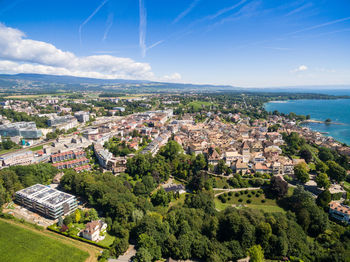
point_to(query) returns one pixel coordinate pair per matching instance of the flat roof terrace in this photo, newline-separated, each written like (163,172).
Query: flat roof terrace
(44,195)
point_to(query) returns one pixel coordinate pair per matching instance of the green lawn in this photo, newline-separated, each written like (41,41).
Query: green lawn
(268,205)
(36,148)
(22,245)
(178,202)
(108,241)
(197,105)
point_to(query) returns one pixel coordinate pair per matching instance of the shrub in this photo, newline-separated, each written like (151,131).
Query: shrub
(257,195)
(240,200)
(230,193)
(249,195)
(263,200)
(241,192)
(249,201)
(229,199)
(223,200)
(237,194)
(253,192)
(225,194)
(246,192)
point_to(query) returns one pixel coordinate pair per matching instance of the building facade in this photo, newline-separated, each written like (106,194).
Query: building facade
(46,201)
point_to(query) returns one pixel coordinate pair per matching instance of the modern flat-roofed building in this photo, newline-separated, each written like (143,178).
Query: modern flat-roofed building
(82,116)
(22,129)
(46,201)
(14,159)
(63,122)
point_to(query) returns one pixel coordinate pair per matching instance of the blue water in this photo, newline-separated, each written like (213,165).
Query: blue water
(337,110)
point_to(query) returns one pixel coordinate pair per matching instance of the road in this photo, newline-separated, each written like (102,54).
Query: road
(127,255)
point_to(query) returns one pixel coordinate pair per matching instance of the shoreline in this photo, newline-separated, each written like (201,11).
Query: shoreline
(321,122)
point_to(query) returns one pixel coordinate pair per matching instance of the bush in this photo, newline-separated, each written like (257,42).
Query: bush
(253,192)
(249,201)
(223,200)
(257,195)
(230,193)
(237,194)
(246,192)
(241,192)
(263,200)
(249,195)
(229,199)
(240,200)
(225,194)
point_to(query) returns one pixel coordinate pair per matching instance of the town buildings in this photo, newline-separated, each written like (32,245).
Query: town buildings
(26,130)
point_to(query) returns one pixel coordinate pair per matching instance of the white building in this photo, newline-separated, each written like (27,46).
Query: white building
(93,229)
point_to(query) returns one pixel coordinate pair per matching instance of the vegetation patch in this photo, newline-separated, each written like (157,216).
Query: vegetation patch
(18,244)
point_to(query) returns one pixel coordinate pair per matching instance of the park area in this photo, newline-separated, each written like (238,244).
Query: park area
(20,244)
(255,199)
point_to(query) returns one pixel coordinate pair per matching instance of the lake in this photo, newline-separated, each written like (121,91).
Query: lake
(337,110)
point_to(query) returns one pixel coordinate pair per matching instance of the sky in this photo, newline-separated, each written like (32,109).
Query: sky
(245,43)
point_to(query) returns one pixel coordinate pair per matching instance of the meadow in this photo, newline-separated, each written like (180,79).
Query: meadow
(22,245)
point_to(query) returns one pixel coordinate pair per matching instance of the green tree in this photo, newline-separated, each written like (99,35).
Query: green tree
(171,150)
(336,171)
(161,198)
(278,187)
(301,172)
(142,255)
(306,154)
(256,254)
(322,180)
(323,199)
(77,216)
(321,167)
(93,215)
(147,242)
(325,154)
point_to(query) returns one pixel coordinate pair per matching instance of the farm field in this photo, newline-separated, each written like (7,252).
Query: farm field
(19,244)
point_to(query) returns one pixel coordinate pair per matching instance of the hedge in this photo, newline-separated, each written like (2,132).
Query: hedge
(53,229)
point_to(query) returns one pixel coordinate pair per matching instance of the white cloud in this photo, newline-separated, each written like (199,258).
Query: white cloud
(21,55)
(172,78)
(300,68)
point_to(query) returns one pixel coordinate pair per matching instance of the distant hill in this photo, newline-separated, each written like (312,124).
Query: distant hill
(41,82)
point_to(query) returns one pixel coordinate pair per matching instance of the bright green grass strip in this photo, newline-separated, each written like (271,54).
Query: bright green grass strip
(22,245)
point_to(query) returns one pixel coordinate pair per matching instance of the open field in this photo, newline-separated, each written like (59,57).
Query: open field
(20,244)
(256,201)
(199,104)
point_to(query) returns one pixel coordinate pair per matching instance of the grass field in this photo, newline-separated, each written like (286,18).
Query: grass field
(108,241)
(260,202)
(197,105)
(22,245)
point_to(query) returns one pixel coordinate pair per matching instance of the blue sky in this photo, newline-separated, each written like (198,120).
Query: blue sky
(252,43)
